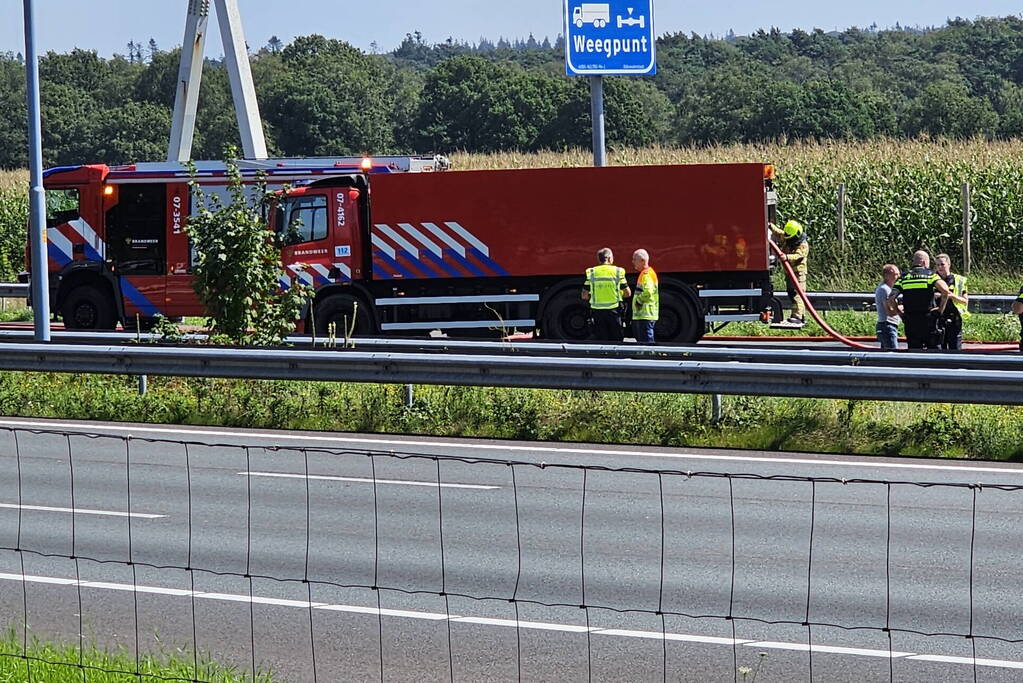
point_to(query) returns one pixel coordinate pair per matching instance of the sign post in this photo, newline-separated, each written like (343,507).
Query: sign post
(611,38)
(37,197)
(597,116)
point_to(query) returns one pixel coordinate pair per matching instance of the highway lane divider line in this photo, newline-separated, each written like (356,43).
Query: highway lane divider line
(364,480)
(511,623)
(81,511)
(949,659)
(569,450)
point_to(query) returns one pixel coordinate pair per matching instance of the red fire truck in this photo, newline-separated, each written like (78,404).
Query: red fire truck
(403,251)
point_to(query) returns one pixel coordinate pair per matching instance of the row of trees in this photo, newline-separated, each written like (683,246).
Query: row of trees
(323,96)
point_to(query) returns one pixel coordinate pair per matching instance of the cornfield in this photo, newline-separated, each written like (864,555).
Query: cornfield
(13,222)
(900,195)
(13,180)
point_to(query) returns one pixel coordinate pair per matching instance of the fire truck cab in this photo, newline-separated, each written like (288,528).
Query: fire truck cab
(116,244)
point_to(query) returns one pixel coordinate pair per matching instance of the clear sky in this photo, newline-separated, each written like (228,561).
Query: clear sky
(107,25)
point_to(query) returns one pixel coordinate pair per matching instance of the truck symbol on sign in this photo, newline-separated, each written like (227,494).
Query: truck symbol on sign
(596,13)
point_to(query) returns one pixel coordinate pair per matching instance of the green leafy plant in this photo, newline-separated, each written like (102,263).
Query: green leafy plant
(169,331)
(238,266)
(13,231)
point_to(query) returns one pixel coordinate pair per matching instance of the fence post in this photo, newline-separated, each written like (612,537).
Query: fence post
(840,215)
(967,250)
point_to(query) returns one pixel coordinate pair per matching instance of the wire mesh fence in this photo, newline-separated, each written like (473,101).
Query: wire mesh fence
(320,564)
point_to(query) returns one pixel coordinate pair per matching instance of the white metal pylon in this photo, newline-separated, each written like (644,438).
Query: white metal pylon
(243,91)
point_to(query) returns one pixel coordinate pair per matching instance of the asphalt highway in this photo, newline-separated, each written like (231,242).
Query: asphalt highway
(337,557)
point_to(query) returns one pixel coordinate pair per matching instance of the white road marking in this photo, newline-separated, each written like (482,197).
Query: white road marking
(657,635)
(968,660)
(359,609)
(363,480)
(569,450)
(485,621)
(81,511)
(831,649)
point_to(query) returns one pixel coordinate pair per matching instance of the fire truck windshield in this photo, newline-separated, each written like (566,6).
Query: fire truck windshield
(304,219)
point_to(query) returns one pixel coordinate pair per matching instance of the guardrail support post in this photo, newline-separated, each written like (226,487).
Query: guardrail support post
(408,395)
(840,215)
(967,250)
(143,384)
(715,409)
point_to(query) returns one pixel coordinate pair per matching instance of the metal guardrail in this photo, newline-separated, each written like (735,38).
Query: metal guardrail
(804,380)
(853,301)
(1007,360)
(13,290)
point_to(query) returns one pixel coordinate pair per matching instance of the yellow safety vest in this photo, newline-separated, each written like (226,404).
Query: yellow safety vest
(646,301)
(605,283)
(959,289)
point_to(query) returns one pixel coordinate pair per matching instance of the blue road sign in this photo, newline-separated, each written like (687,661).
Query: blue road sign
(609,38)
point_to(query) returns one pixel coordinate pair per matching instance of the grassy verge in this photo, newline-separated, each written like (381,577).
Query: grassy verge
(64,664)
(847,279)
(990,432)
(15,314)
(979,327)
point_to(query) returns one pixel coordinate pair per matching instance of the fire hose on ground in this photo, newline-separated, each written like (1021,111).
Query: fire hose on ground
(801,293)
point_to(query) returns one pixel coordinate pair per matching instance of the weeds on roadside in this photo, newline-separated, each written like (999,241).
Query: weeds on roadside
(58,663)
(868,427)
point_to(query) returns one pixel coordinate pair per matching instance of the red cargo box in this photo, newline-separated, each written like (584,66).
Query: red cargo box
(540,222)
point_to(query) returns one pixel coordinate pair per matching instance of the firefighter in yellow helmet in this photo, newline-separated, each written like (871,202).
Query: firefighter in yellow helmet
(796,245)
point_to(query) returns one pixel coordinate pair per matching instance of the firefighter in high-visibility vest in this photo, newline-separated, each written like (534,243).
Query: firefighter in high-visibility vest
(954,316)
(796,246)
(646,300)
(606,290)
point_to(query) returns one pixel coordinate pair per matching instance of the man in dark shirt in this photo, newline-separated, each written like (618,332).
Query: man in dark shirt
(1017,309)
(920,316)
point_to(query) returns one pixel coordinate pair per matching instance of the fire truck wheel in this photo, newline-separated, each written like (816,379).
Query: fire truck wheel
(88,308)
(339,309)
(566,317)
(678,321)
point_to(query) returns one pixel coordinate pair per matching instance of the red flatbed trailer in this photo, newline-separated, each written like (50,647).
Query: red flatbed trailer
(467,252)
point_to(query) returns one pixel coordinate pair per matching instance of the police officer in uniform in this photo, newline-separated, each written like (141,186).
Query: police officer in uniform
(1017,309)
(954,316)
(796,246)
(606,290)
(917,287)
